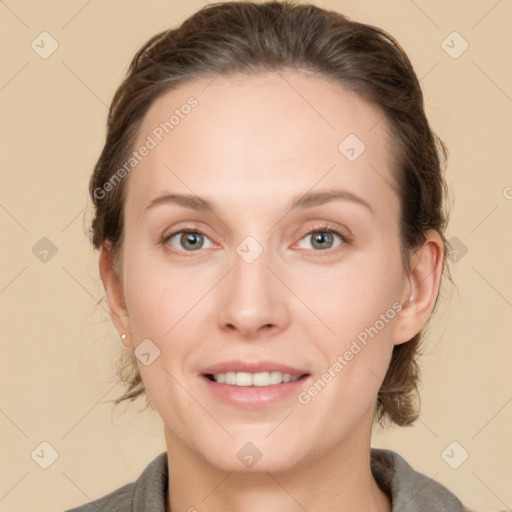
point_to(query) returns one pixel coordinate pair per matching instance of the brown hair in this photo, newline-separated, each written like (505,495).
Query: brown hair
(246,37)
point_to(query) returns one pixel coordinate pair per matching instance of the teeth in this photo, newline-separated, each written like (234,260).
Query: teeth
(254,379)
(243,379)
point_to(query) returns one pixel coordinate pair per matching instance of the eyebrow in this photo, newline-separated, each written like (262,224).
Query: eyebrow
(302,202)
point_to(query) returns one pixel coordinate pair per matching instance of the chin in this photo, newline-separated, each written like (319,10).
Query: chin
(252,460)
(254,451)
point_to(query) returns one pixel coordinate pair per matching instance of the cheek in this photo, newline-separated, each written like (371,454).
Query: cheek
(166,305)
(355,356)
(359,304)
(359,294)
(158,295)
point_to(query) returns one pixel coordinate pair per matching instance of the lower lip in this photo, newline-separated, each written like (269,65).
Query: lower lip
(252,397)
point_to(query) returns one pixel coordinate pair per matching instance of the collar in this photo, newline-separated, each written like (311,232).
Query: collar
(409,490)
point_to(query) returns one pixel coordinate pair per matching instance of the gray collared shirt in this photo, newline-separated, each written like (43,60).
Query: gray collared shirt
(409,490)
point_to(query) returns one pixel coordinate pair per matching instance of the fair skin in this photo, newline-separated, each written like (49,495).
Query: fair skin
(250,147)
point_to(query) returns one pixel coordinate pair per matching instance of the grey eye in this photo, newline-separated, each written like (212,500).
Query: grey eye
(321,240)
(188,240)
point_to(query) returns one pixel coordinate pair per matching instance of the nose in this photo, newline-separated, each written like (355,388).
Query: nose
(252,300)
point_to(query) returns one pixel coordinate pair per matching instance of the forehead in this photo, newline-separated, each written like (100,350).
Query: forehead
(250,137)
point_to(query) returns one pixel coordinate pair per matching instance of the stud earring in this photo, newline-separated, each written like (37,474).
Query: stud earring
(123,336)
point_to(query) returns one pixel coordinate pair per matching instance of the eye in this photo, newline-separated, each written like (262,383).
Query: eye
(187,240)
(323,238)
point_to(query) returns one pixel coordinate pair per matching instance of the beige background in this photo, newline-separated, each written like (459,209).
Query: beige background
(58,346)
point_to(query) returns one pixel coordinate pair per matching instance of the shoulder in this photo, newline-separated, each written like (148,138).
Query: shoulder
(409,489)
(148,492)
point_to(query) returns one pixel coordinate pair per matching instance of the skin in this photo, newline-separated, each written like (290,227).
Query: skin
(251,145)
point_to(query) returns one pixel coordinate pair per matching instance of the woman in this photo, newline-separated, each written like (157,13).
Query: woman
(269,210)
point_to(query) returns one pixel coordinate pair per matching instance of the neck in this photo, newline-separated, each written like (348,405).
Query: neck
(337,480)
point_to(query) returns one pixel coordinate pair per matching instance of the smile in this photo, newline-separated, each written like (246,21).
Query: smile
(261,379)
(254,384)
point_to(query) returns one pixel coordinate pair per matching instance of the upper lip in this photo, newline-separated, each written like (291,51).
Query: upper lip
(252,367)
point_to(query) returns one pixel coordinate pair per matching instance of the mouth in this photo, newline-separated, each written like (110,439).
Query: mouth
(260,379)
(253,385)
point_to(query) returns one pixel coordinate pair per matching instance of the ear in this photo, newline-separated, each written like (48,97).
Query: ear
(422,288)
(115,294)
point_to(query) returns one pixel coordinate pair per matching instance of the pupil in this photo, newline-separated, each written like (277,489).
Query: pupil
(321,238)
(192,239)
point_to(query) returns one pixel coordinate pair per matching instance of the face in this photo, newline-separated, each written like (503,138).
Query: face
(261,245)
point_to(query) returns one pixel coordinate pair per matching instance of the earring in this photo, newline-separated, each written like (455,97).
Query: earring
(123,336)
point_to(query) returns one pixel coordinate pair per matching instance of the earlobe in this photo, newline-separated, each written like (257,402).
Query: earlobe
(423,285)
(115,295)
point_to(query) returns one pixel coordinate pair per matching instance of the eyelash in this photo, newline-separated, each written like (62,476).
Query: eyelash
(325,228)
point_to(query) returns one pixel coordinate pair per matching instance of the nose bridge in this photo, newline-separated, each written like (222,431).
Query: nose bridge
(252,297)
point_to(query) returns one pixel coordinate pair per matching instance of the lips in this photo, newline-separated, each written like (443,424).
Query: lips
(262,366)
(253,385)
